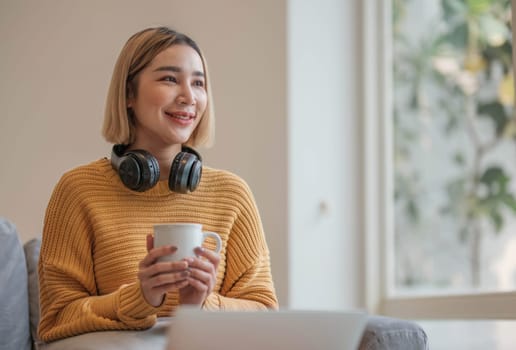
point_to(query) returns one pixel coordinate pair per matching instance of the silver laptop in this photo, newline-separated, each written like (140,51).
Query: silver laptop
(194,329)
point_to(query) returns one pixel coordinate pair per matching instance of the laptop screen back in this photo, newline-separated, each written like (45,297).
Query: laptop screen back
(193,329)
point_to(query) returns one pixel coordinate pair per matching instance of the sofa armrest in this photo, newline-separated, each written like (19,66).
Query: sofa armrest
(31,249)
(14,301)
(386,333)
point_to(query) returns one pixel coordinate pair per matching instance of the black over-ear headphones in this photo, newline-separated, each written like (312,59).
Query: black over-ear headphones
(139,170)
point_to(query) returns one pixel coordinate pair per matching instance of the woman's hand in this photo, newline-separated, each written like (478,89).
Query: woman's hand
(158,278)
(202,278)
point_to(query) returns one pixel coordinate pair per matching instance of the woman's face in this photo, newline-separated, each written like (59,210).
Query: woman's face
(170,99)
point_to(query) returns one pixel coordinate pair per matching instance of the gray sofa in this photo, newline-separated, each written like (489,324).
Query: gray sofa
(19,312)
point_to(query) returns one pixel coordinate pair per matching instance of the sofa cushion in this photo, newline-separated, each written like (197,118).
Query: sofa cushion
(14,301)
(150,339)
(32,249)
(386,333)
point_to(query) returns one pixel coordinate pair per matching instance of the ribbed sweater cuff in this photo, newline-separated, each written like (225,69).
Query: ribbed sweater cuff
(216,301)
(212,302)
(132,304)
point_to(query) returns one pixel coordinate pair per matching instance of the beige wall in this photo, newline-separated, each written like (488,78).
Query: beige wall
(55,64)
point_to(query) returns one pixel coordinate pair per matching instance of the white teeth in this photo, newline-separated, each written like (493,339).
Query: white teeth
(182,117)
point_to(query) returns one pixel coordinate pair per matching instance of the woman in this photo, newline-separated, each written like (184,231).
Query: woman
(98,269)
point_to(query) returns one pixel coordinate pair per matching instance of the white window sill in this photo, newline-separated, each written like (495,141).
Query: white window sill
(470,334)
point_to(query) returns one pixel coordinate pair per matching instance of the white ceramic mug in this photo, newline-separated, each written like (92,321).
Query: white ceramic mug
(185,237)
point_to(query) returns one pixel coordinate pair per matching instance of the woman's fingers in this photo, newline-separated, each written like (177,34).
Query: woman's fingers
(158,277)
(154,254)
(160,268)
(196,264)
(199,285)
(211,256)
(171,286)
(203,271)
(161,277)
(168,279)
(150,242)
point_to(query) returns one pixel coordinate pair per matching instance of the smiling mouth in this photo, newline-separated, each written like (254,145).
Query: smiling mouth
(181,116)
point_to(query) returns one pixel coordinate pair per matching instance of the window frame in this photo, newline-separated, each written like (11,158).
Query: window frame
(378,223)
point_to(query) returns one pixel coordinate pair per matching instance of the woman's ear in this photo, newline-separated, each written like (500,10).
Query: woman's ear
(129,99)
(130,93)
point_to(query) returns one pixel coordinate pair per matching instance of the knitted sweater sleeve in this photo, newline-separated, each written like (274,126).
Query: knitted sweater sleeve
(69,301)
(247,283)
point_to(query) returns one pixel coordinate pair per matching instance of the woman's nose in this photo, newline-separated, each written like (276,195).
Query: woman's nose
(187,95)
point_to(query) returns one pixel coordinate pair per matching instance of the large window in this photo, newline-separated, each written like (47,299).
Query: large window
(454,146)
(441,144)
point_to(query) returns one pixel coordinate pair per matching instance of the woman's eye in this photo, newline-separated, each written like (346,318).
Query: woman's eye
(169,78)
(199,83)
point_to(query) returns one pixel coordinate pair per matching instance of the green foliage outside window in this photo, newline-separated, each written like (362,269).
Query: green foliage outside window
(459,76)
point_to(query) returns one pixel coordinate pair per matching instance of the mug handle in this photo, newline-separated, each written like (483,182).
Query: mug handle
(215,236)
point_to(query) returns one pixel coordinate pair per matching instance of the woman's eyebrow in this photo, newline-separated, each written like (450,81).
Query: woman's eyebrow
(176,69)
(168,68)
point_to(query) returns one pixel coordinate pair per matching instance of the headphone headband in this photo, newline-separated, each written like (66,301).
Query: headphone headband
(116,154)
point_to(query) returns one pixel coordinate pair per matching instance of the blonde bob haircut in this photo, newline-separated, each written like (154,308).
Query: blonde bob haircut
(136,54)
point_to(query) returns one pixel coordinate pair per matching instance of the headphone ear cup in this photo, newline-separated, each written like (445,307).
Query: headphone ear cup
(129,172)
(195,175)
(139,170)
(185,173)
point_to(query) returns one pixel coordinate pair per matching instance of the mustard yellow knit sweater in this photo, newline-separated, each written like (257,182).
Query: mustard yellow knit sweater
(94,238)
